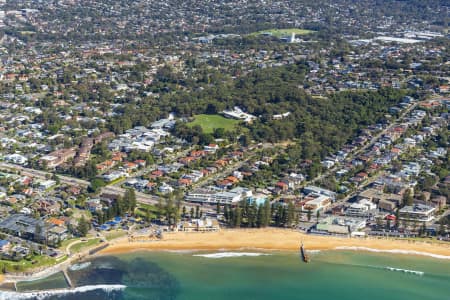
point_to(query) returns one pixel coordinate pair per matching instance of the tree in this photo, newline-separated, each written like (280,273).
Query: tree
(83,227)
(170,211)
(159,209)
(308,214)
(279,216)
(197,212)
(129,199)
(119,206)
(397,217)
(441,227)
(96,185)
(56,178)
(290,214)
(408,197)
(267,214)
(252,215)
(38,232)
(226,213)
(148,214)
(237,217)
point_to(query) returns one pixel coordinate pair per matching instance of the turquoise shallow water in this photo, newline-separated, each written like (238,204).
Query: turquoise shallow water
(331,275)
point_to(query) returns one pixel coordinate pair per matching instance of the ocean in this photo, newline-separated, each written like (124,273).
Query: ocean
(347,275)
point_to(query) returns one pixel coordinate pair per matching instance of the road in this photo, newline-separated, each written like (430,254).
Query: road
(140,197)
(153,200)
(44,174)
(372,141)
(110,189)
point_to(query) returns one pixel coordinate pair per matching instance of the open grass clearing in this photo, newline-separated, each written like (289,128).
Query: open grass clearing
(210,122)
(83,245)
(283,32)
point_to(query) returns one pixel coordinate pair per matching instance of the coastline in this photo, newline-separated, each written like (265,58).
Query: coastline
(268,239)
(272,239)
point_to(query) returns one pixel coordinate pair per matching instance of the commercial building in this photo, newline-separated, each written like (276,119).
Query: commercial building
(206,224)
(317,190)
(23,226)
(337,225)
(417,212)
(237,113)
(212,196)
(385,201)
(58,157)
(362,208)
(316,202)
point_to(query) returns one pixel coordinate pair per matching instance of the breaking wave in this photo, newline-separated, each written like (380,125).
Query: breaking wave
(231,254)
(77,267)
(420,273)
(394,251)
(41,295)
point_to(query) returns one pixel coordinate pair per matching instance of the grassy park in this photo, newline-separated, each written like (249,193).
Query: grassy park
(210,122)
(283,32)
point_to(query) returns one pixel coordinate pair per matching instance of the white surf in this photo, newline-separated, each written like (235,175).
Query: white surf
(42,295)
(231,254)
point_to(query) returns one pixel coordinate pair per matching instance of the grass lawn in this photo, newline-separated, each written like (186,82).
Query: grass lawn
(82,245)
(211,122)
(283,32)
(65,243)
(34,262)
(141,210)
(114,234)
(115,181)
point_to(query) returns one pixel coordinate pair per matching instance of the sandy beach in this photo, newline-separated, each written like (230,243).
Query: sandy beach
(275,239)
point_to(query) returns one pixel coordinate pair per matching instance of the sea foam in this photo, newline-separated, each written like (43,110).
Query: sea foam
(394,251)
(230,254)
(420,273)
(108,288)
(77,267)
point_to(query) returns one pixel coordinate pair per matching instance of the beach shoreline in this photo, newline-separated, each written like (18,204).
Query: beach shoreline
(261,240)
(271,239)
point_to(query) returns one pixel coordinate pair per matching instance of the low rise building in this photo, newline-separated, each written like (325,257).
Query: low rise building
(417,212)
(385,201)
(337,225)
(362,208)
(213,196)
(316,202)
(206,224)
(318,190)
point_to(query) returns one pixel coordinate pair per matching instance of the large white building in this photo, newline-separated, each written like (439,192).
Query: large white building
(212,196)
(237,113)
(316,202)
(361,208)
(318,190)
(340,225)
(417,212)
(16,159)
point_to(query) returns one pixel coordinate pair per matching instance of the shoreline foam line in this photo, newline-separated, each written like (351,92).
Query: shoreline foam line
(49,293)
(420,273)
(230,254)
(394,251)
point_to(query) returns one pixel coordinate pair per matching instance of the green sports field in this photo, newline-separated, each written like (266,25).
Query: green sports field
(283,32)
(211,122)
